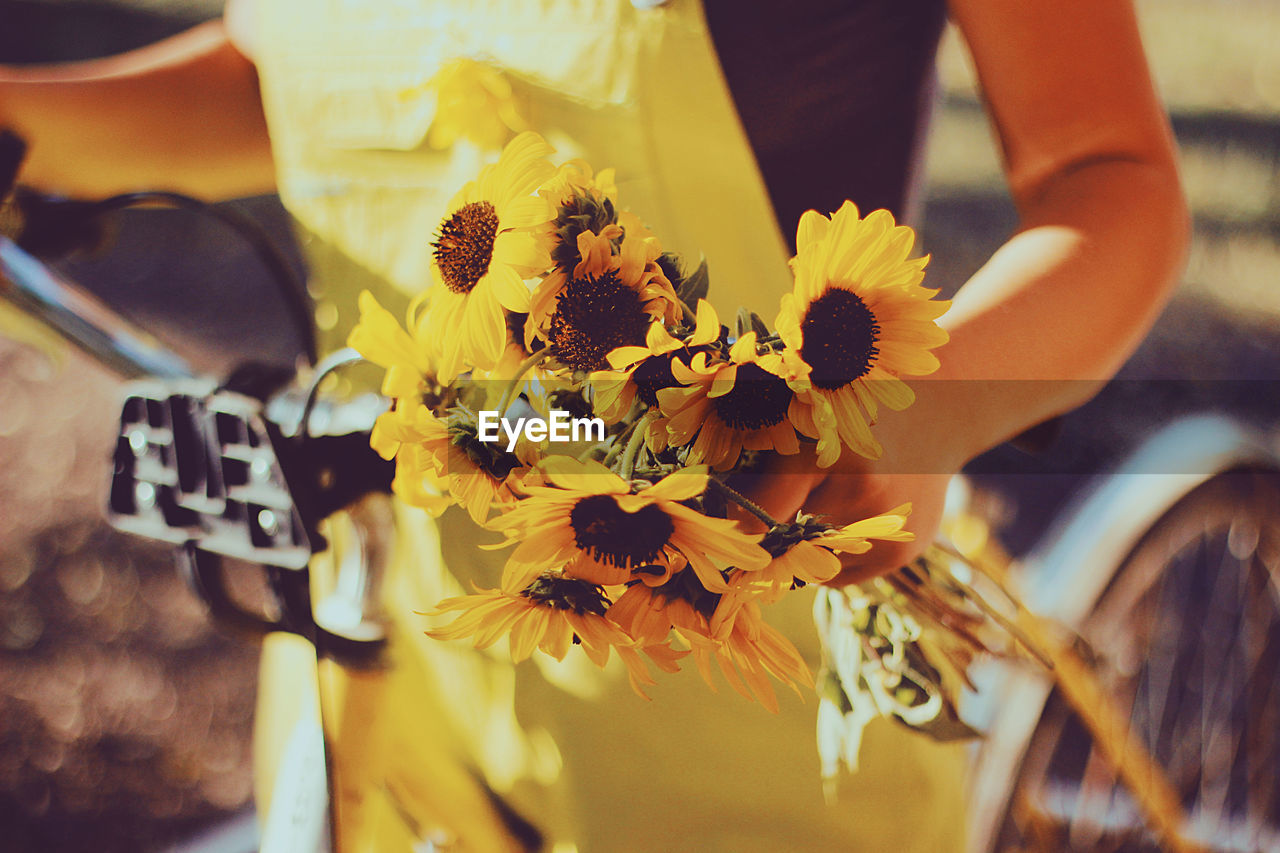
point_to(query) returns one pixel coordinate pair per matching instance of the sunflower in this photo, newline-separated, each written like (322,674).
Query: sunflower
(584,201)
(514,361)
(552,613)
(480,474)
(858,319)
(587,521)
(724,407)
(643,614)
(643,371)
(410,379)
(679,606)
(746,651)
(758,650)
(651,607)
(404,434)
(806,550)
(445,455)
(528,373)
(494,236)
(474,101)
(606,300)
(411,384)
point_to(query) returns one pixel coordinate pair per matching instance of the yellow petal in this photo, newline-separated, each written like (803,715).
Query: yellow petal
(681,485)
(706,325)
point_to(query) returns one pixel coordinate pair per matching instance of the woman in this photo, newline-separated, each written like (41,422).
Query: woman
(350,100)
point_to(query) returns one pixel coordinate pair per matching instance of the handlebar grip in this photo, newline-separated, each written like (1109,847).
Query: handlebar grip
(45,226)
(13,150)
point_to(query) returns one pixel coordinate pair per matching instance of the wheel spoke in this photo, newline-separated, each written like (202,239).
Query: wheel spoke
(1189,628)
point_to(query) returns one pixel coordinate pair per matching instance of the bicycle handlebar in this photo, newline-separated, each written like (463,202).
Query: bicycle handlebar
(82,319)
(34,225)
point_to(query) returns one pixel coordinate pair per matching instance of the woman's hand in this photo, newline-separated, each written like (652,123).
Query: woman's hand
(923,449)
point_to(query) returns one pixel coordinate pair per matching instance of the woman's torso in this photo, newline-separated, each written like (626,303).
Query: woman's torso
(348,98)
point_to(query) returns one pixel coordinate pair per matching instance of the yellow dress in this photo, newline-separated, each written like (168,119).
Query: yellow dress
(352,95)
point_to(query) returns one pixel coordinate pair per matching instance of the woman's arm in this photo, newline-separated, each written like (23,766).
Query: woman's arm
(1052,315)
(1091,164)
(183,114)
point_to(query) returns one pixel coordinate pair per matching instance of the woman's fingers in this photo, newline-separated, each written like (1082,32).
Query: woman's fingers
(874,495)
(851,490)
(781,489)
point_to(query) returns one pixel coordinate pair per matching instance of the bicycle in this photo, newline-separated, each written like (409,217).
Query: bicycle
(1170,560)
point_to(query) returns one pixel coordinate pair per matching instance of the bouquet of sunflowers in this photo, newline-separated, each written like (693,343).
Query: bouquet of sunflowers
(566,382)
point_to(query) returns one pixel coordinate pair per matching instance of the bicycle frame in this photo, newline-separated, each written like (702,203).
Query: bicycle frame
(83,320)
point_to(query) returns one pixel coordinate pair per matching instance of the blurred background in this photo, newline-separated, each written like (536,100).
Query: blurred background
(125,716)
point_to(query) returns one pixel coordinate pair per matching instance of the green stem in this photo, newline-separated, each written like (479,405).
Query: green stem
(525,366)
(634,444)
(742,500)
(618,445)
(1028,643)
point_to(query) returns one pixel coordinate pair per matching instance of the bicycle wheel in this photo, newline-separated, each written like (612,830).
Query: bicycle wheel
(1187,634)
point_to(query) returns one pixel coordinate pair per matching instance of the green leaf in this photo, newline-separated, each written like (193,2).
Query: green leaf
(695,285)
(758,326)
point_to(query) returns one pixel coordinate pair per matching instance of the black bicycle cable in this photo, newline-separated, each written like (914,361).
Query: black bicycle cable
(21,208)
(291,286)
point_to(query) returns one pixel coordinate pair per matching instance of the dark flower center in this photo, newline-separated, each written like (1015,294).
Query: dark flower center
(614,536)
(781,538)
(565,593)
(465,246)
(840,335)
(685,585)
(758,399)
(571,401)
(488,456)
(593,316)
(582,212)
(652,375)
